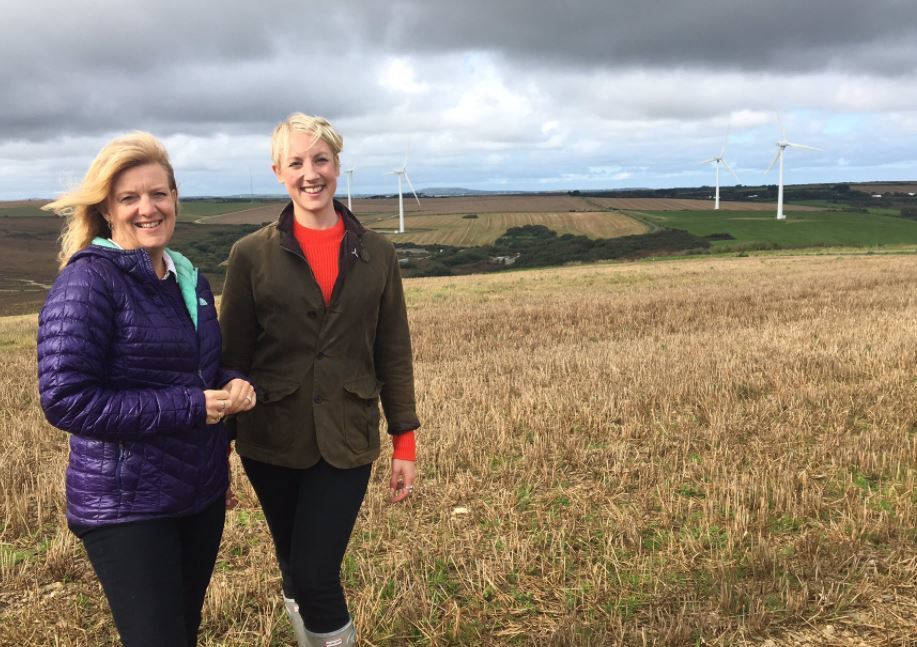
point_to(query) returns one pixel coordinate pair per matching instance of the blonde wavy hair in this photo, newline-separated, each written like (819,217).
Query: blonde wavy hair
(318,127)
(85,207)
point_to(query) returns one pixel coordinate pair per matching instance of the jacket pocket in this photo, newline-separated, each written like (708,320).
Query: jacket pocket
(276,392)
(271,424)
(361,413)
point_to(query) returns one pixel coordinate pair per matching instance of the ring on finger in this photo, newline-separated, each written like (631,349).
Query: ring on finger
(248,398)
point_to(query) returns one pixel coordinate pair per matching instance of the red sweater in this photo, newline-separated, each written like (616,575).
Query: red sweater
(321,248)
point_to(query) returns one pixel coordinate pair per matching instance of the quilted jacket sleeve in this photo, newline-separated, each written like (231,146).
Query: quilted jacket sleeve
(74,330)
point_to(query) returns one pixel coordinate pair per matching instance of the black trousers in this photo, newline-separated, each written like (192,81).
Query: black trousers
(311,513)
(155,574)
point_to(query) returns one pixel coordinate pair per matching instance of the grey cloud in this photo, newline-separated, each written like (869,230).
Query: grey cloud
(754,35)
(194,66)
(509,89)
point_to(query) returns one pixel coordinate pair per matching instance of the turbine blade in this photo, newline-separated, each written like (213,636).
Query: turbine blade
(782,129)
(712,159)
(804,147)
(725,141)
(411,184)
(729,168)
(776,157)
(407,154)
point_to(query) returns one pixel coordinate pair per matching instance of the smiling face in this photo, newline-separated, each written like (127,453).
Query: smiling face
(309,171)
(141,209)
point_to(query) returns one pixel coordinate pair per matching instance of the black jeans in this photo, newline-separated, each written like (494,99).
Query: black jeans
(311,514)
(155,574)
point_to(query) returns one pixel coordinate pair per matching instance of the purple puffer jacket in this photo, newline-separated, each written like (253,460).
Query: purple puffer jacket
(122,368)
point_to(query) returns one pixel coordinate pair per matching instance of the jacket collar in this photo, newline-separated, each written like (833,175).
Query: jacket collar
(351,246)
(351,224)
(137,262)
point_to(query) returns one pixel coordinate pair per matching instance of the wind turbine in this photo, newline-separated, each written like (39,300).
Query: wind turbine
(403,173)
(782,145)
(717,161)
(349,173)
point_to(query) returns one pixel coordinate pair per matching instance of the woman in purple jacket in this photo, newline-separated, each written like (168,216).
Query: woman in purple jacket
(129,364)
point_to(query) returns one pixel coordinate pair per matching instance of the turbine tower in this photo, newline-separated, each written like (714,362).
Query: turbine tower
(782,145)
(402,173)
(349,173)
(716,162)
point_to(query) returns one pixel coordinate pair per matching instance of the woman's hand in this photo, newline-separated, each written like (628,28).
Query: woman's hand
(241,396)
(217,403)
(401,485)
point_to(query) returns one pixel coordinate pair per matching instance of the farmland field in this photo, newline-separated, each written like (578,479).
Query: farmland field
(800,229)
(487,227)
(708,451)
(373,210)
(473,204)
(671,204)
(19,208)
(215,212)
(886,187)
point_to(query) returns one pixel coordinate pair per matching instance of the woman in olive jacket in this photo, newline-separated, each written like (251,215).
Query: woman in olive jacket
(313,311)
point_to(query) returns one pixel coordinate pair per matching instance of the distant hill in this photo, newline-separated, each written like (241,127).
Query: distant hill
(447,191)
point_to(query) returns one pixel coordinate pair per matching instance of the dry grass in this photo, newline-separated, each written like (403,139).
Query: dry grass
(717,452)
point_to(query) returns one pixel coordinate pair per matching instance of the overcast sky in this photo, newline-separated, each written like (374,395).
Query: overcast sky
(486,94)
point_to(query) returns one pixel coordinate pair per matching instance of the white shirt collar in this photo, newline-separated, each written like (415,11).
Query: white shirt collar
(170,265)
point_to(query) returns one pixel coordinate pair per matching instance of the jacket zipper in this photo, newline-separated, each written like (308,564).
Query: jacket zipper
(123,455)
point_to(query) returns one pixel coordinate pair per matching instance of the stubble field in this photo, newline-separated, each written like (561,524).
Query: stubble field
(694,452)
(487,227)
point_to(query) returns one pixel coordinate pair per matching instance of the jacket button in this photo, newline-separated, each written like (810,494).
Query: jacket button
(312,314)
(319,355)
(317,399)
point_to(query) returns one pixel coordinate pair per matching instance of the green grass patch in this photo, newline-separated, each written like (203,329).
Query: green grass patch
(22,211)
(761,230)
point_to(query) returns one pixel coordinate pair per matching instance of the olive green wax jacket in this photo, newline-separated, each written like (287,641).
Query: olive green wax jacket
(319,371)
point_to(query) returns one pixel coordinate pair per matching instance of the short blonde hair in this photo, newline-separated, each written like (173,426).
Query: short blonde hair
(318,127)
(84,206)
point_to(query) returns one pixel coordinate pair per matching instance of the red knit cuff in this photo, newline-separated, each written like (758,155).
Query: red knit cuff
(404,446)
